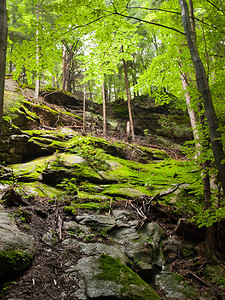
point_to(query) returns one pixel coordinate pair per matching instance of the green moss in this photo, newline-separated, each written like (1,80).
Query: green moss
(176,285)
(71,115)
(30,171)
(41,190)
(70,210)
(93,205)
(5,287)
(215,274)
(91,196)
(47,108)
(14,260)
(131,284)
(26,86)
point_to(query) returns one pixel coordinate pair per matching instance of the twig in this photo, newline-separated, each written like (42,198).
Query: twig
(199,279)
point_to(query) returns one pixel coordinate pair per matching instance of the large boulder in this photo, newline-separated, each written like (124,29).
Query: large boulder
(102,276)
(16,248)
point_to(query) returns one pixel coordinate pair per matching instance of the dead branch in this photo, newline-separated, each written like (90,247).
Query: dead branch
(141,205)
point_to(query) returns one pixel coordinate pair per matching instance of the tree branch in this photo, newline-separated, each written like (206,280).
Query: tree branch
(155,9)
(171,12)
(152,23)
(214,5)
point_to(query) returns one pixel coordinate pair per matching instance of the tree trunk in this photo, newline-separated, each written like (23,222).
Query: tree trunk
(128,100)
(37,81)
(191,112)
(215,135)
(67,59)
(3,46)
(84,109)
(64,59)
(10,63)
(104,109)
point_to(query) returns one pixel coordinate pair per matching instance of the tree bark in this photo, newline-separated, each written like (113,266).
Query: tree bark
(128,100)
(3,47)
(67,59)
(192,114)
(215,135)
(104,109)
(84,109)
(37,81)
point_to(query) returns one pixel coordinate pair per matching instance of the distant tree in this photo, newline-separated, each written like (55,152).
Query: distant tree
(3,47)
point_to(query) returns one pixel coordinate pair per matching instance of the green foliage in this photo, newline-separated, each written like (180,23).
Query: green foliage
(208,217)
(94,156)
(69,185)
(5,287)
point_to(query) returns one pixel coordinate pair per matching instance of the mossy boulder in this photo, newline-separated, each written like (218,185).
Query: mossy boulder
(16,248)
(102,276)
(175,286)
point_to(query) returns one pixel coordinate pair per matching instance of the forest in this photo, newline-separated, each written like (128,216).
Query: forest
(118,51)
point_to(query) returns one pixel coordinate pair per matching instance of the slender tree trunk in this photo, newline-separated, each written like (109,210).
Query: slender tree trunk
(67,59)
(191,112)
(84,109)
(64,59)
(90,92)
(215,135)
(37,81)
(211,231)
(53,81)
(10,63)
(104,108)
(128,100)
(3,46)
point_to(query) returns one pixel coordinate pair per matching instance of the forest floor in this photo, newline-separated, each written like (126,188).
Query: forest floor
(45,279)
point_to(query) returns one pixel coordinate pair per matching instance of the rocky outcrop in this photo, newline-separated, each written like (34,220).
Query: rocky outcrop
(16,248)
(105,277)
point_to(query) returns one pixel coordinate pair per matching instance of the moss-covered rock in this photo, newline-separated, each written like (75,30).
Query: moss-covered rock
(175,286)
(16,248)
(104,276)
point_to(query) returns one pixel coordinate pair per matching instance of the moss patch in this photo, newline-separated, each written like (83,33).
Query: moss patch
(176,286)
(132,286)
(14,260)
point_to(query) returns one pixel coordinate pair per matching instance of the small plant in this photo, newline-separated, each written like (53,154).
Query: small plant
(146,132)
(93,155)
(148,184)
(69,185)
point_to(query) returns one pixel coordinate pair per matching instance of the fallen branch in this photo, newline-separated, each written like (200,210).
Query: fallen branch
(141,205)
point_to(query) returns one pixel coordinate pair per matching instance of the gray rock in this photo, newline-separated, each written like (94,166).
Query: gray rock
(71,243)
(102,277)
(16,247)
(74,226)
(96,221)
(77,230)
(120,214)
(19,138)
(114,251)
(171,248)
(71,159)
(50,238)
(175,286)
(144,246)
